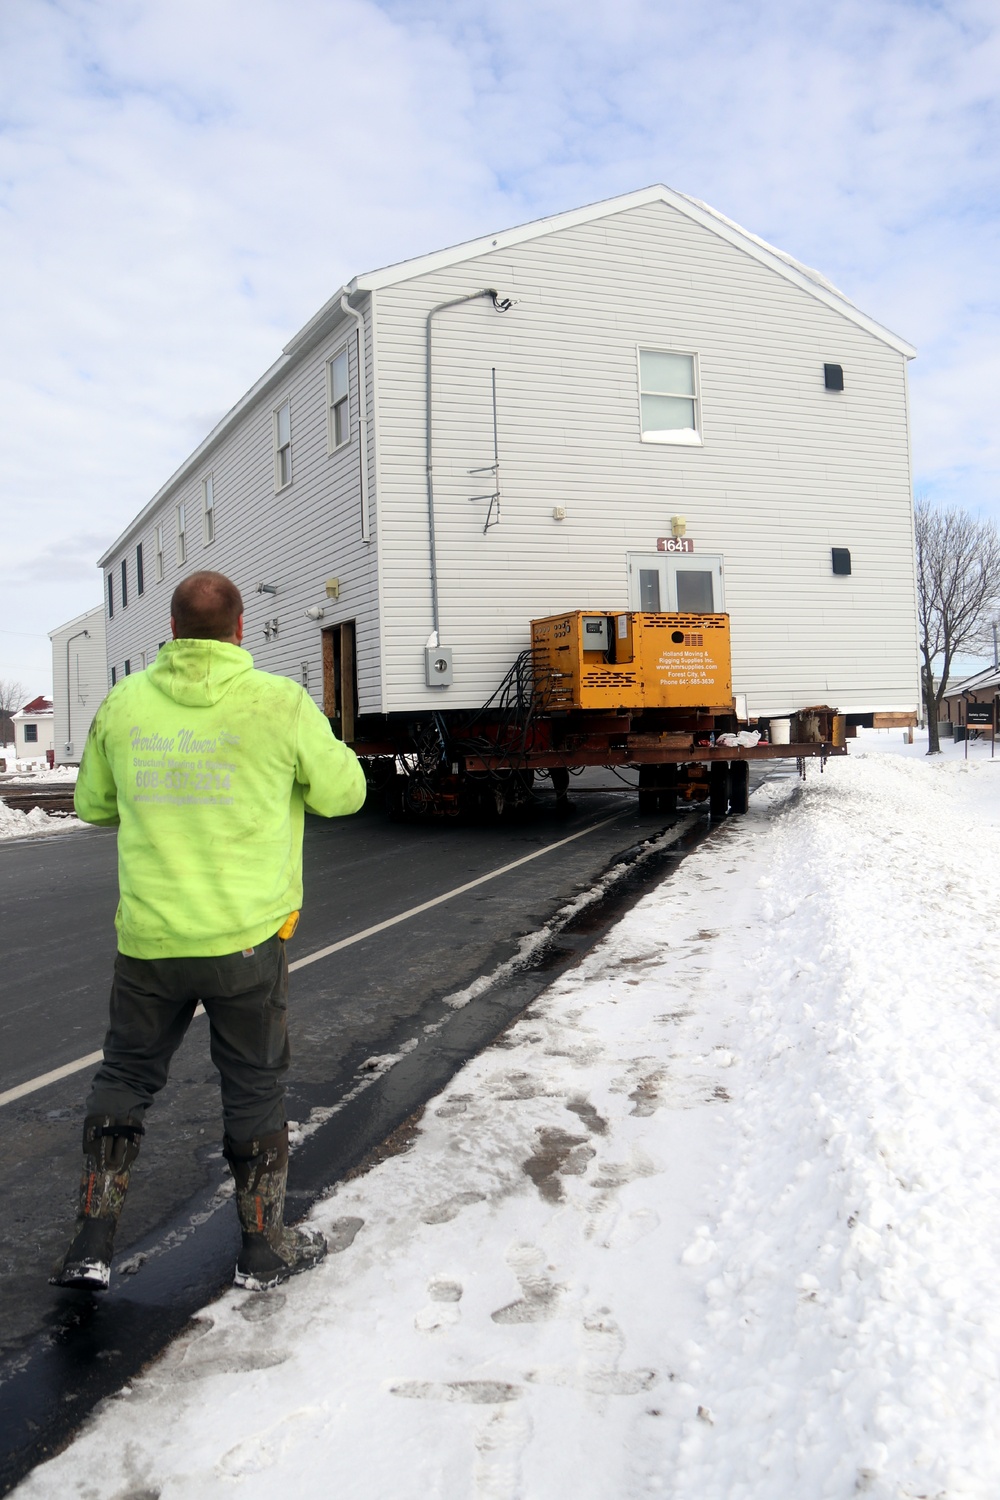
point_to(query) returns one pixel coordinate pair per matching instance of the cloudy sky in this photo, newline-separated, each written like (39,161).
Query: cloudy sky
(182,184)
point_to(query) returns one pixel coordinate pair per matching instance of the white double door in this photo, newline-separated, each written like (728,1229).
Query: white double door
(687,583)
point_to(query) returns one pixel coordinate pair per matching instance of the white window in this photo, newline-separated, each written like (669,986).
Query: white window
(283,446)
(208,508)
(181,535)
(159,554)
(339,400)
(668,397)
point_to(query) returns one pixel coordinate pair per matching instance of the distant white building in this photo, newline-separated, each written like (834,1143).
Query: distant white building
(33,731)
(79,680)
(633,405)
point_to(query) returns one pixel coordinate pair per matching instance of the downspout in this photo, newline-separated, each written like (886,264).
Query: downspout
(69,693)
(502,305)
(362,414)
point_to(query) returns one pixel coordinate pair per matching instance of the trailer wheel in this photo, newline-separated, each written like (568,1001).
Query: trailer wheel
(667,795)
(739,786)
(648,790)
(718,788)
(395,798)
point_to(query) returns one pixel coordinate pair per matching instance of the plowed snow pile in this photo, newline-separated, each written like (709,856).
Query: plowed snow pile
(717,1219)
(15,824)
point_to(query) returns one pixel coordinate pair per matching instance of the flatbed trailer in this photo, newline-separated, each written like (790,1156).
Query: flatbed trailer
(650,692)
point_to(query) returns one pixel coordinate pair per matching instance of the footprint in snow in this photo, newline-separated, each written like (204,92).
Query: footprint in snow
(443,1310)
(539,1295)
(597,1372)
(475,1392)
(499,1445)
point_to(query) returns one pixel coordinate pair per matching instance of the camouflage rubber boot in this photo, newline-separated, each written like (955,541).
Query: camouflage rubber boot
(271,1252)
(110,1147)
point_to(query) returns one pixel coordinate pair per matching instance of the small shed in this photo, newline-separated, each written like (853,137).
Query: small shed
(33,729)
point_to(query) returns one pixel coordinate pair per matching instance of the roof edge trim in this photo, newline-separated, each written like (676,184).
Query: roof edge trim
(701,213)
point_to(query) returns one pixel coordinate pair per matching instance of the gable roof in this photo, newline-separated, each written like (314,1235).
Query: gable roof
(332,312)
(37,707)
(709,218)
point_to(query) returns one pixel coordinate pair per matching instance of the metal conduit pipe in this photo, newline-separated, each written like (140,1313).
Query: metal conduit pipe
(502,305)
(362,415)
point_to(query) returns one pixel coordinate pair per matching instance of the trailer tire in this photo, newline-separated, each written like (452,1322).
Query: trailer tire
(649,794)
(739,786)
(718,788)
(395,798)
(667,795)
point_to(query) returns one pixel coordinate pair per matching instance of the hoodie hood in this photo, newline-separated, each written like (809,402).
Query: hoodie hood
(197,674)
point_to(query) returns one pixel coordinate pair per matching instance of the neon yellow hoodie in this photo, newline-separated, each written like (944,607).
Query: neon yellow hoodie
(206,766)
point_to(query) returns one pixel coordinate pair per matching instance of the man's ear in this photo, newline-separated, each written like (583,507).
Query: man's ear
(239,630)
(173,627)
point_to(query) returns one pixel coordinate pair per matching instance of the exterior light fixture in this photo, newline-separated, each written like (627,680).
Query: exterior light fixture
(678,525)
(315,612)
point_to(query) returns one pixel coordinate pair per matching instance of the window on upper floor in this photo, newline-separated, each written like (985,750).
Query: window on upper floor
(283,445)
(111,596)
(338,401)
(140,577)
(181,534)
(668,397)
(159,554)
(124,583)
(208,508)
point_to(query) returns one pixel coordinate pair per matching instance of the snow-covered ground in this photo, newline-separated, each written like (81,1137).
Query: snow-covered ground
(717,1219)
(15,824)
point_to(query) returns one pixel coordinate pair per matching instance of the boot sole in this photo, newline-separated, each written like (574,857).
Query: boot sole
(83,1276)
(248,1281)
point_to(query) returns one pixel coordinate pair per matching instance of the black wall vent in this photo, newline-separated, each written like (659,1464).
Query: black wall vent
(833,377)
(841,559)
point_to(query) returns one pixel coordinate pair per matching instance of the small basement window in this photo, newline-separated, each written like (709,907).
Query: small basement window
(668,397)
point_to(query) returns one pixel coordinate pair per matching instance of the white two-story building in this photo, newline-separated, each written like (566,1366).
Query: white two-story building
(635,404)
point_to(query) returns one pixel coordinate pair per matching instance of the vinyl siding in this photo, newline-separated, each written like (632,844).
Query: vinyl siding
(787,471)
(75,703)
(298,538)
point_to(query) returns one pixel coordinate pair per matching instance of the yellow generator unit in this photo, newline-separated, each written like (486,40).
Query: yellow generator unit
(584,659)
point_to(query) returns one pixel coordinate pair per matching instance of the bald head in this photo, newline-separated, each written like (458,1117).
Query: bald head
(207,607)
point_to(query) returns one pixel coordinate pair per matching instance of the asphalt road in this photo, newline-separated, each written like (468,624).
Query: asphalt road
(58,898)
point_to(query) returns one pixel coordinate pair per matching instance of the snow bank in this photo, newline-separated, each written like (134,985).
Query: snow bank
(717,1218)
(15,824)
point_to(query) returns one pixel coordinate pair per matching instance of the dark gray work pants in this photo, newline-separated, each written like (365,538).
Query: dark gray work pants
(152,1002)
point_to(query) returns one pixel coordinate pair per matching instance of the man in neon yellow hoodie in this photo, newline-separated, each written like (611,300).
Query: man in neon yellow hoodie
(206,767)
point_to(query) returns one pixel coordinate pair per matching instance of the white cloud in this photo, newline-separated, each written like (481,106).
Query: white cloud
(182,185)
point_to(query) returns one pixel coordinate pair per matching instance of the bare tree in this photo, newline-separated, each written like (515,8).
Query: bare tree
(958,590)
(12,695)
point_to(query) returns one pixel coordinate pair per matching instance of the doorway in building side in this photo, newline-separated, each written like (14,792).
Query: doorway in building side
(684,584)
(340,679)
